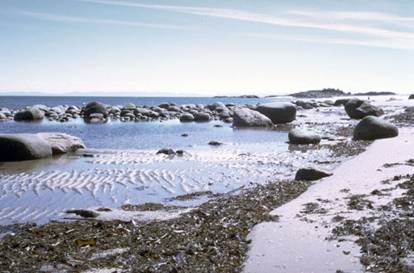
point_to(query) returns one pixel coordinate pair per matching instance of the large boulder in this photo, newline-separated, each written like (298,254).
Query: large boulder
(278,112)
(300,136)
(340,102)
(19,147)
(62,143)
(371,128)
(411,97)
(202,117)
(358,109)
(311,174)
(187,117)
(30,114)
(95,108)
(245,117)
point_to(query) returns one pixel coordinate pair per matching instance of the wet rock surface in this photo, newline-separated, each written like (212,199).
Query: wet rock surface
(371,128)
(278,112)
(302,136)
(20,147)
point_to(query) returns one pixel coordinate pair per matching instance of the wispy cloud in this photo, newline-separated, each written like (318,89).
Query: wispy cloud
(353,15)
(247,16)
(88,20)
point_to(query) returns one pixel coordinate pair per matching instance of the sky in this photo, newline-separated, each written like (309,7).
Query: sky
(210,47)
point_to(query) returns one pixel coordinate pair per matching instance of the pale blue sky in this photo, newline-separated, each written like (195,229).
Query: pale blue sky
(211,47)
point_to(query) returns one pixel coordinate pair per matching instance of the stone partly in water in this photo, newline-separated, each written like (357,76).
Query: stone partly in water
(358,109)
(19,147)
(245,117)
(166,151)
(300,136)
(215,143)
(340,102)
(62,143)
(371,128)
(202,117)
(278,112)
(311,174)
(31,114)
(187,117)
(95,108)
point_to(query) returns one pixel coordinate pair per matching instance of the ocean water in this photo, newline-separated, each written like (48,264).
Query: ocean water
(125,168)
(18,102)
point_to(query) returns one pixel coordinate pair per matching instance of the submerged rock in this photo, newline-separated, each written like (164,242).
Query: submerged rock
(215,143)
(245,117)
(300,136)
(20,147)
(278,112)
(358,109)
(30,114)
(311,174)
(62,143)
(371,128)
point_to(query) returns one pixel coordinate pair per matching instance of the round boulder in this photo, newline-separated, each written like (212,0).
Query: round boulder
(30,114)
(19,147)
(358,109)
(371,128)
(202,117)
(245,117)
(62,143)
(187,117)
(95,108)
(300,136)
(411,97)
(278,112)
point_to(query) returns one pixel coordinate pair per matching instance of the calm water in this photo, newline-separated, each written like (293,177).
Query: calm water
(17,102)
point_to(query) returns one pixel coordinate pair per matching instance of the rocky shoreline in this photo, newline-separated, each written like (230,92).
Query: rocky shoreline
(212,237)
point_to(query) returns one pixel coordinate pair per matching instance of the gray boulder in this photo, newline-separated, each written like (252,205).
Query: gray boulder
(300,136)
(411,97)
(19,147)
(278,112)
(187,117)
(358,109)
(311,174)
(245,117)
(371,128)
(30,114)
(62,143)
(340,102)
(95,108)
(202,117)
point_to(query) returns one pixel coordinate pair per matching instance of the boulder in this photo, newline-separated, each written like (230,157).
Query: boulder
(62,143)
(341,102)
(166,151)
(19,147)
(244,117)
(202,117)
(95,108)
(187,117)
(2,116)
(371,128)
(300,136)
(411,97)
(130,106)
(311,174)
(30,114)
(278,112)
(358,109)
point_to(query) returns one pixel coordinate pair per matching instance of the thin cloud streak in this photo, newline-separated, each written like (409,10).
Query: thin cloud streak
(353,15)
(240,15)
(77,19)
(319,40)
